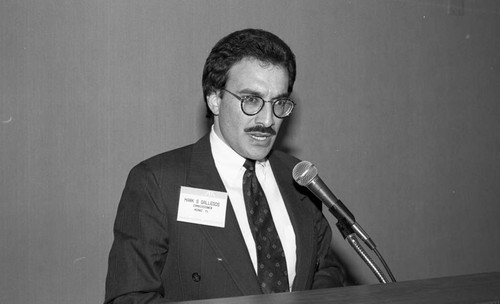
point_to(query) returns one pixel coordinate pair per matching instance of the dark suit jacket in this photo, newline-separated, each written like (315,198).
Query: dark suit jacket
(154,257)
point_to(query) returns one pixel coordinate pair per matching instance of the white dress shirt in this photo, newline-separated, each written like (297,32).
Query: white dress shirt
(229,164)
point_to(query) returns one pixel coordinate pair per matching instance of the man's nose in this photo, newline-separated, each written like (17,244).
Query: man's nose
(266,116)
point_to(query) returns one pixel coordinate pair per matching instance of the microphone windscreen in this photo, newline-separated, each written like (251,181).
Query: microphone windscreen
(304,172)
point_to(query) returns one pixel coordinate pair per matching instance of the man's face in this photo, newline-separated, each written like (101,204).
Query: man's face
(250,136)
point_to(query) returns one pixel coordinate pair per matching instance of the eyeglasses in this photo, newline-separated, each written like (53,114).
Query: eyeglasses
(252,104)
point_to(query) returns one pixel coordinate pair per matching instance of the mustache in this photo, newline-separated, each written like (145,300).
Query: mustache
(261,129)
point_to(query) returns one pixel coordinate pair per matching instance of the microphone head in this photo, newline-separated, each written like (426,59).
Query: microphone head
(304,172)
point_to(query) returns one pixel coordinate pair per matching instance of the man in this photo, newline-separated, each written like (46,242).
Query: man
(185,227)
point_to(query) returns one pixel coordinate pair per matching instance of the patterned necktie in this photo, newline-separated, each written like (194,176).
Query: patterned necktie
(272,271)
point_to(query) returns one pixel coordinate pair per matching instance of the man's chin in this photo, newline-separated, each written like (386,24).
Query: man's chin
(260,154)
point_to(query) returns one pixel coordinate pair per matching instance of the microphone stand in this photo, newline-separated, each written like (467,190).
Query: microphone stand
(349,234)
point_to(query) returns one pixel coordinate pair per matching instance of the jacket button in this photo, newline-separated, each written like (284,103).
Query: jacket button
(196,277)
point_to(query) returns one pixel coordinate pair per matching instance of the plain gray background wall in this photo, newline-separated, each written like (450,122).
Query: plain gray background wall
(398,107)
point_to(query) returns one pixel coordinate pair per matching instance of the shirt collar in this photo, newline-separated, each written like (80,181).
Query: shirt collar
(225,157)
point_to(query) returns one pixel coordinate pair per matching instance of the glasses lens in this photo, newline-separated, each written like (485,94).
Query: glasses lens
(282,107)
(251,104)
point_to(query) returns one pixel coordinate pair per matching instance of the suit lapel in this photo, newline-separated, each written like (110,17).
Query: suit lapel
(303,228)
(227,242)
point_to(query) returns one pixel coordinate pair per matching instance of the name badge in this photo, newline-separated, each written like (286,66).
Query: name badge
(200,206)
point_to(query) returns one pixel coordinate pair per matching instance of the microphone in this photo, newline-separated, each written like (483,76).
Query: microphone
(306,175)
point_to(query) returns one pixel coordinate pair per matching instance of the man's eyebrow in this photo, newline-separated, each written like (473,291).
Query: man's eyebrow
(256,93)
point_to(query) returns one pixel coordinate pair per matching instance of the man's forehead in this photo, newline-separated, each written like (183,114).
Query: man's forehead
(250,69)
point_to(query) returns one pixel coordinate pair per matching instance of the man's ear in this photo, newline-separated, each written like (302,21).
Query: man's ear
(213,102)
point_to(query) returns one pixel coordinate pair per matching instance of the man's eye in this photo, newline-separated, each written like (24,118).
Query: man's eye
(252,99)
(280,102)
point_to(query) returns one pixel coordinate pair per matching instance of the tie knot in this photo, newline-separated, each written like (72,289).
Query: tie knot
(249,165)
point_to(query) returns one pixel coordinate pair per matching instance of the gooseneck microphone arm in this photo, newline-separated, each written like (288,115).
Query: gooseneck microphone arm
(306,174)
(349,234)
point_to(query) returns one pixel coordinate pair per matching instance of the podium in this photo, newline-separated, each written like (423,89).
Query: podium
(482,288)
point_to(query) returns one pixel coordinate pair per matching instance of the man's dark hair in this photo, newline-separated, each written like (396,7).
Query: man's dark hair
(249,43)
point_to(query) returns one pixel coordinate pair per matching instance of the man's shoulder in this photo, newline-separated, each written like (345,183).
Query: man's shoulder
(283,157)
(166,167)
(178,156)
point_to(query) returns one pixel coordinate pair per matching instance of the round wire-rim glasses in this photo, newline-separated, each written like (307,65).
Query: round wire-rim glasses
(253,104)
